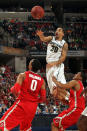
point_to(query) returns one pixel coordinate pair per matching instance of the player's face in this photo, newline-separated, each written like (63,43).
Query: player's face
(59,32)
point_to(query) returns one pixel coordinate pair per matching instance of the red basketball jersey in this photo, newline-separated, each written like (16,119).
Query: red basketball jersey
(75,100)
(30,89)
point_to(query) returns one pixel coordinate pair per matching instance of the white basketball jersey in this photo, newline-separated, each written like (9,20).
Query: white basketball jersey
(54,50)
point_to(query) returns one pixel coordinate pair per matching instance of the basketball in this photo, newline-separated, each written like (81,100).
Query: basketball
(37,12)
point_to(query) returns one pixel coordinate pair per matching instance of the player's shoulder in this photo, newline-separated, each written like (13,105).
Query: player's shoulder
(52,37)
(22,74)
(65,44)
(64,41)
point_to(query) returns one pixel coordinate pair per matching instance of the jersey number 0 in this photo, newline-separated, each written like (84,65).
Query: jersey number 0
(33,85)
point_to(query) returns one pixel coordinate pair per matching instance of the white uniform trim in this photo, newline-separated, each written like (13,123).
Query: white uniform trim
(29,129)
(84,113)
(60,125)
(8,115)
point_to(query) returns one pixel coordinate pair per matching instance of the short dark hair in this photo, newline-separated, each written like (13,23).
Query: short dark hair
(36,65)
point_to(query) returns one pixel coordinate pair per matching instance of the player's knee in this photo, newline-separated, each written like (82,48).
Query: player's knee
(80,124)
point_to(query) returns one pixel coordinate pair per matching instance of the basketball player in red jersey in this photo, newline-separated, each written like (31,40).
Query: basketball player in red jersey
(71,115)
(30,89)
(82,122)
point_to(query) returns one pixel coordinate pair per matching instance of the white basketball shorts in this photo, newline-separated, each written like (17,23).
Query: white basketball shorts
(58,72)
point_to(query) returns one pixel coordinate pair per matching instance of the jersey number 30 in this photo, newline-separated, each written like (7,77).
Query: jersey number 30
(54,48)
(33,85)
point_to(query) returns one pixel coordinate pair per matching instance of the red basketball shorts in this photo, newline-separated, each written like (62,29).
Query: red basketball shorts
(20,113)
(67,118)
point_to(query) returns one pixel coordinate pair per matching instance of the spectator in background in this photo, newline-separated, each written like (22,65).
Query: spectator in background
(3,70)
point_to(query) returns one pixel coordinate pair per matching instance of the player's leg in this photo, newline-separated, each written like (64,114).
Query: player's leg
(57,122)
(49,75)
(82,123)
(12,117)
(30,109)
(59,74)
(25,125)
(53,127)
(4,130)
(61,77)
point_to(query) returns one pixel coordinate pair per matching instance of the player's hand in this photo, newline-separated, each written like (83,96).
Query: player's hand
(49,66)
(54,79)
(39,32)
(54,93)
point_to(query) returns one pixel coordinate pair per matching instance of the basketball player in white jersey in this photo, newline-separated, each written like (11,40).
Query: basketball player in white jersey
(56,54)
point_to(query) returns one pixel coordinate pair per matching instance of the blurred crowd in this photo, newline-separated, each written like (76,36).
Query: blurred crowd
(7,80)
(17,34)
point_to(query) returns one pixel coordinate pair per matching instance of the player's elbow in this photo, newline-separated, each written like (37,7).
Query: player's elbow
(63,58)
(44,40)
(43,95)
(43,99)
(15,90)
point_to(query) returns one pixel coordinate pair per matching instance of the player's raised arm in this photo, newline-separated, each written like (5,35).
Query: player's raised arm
(68,85)
(20,78)
(42,37)
(64,54)
(17,86)
(71,84)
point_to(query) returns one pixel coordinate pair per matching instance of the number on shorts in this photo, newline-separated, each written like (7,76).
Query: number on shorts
(33,85)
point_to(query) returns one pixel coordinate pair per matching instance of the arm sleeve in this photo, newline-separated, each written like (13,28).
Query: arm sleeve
(16,89)
(42,96)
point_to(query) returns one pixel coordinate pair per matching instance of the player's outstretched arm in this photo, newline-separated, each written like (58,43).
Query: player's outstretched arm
(20,78)
(42,37)
(68,85)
